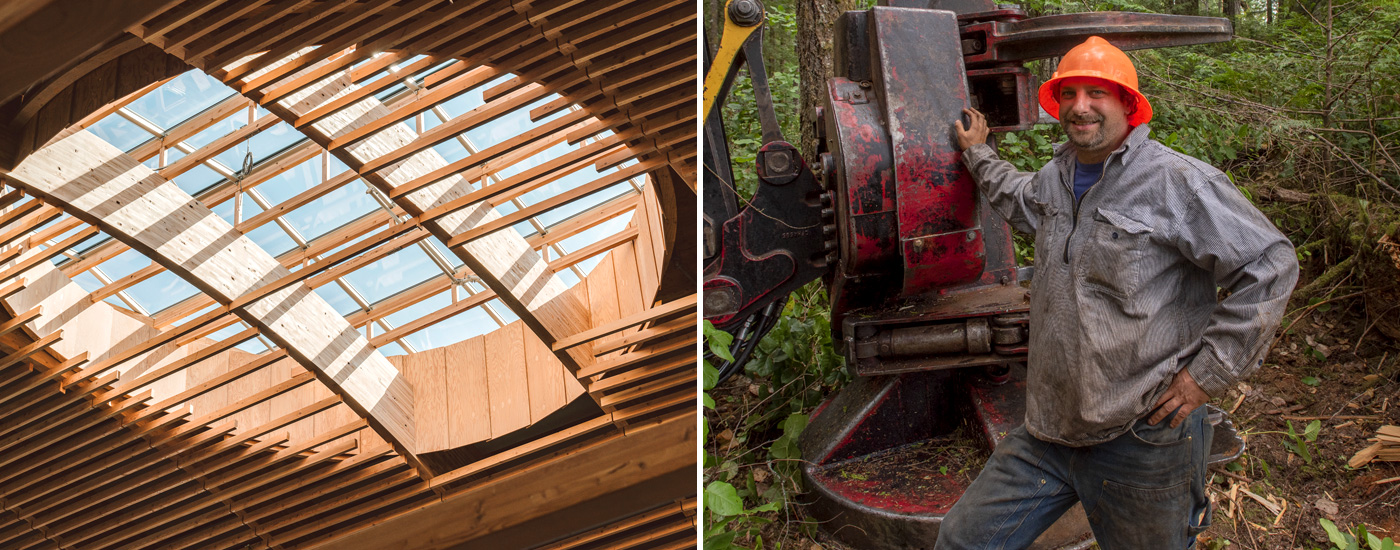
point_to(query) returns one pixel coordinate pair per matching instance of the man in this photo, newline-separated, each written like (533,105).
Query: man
(1128,340)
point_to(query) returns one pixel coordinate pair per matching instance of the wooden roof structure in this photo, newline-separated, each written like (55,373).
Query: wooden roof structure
(570,425)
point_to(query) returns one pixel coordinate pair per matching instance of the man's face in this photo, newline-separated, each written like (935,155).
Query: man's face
(1093,116)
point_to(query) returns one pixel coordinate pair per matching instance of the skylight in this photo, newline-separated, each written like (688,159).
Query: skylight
(193,111)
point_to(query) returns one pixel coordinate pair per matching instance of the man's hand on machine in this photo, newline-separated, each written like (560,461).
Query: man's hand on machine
(1182,397)
(977,134)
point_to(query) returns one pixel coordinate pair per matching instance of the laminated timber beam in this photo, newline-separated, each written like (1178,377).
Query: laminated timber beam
(516,496)
(99,184)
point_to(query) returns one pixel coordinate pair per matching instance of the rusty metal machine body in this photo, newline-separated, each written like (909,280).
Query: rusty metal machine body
(928,305)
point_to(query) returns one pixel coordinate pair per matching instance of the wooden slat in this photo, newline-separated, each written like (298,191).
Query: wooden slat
(427,371)
(20,320)
(432,318)
(669,308)
(633,359)
(469,409)
(28,350)
(47,254)
(682,325)
(604,245)
(507,379)
(546,387)
(551,203)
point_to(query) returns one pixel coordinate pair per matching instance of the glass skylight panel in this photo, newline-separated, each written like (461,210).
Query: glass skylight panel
(87,281)
(124,264)
(418,310)
(328,213)
(223,127)
(254,346)
(270,237)
(357,239)
(262,145)
(198,178)
(583,204)
(390,92)
(504,127)
(555,151)
(506,314)
(470,323)
(470,99)
(335,167)
(226,332)
(163,290)
(597,233)
(120,132)
(393,274)
(451,150)
(451,257)
(392,348)
(292,182)
(183,97)
(337,298)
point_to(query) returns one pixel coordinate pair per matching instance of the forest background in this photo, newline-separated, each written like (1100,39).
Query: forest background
(1302,111)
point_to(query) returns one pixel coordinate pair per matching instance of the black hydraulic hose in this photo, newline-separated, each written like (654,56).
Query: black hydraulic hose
(747,338)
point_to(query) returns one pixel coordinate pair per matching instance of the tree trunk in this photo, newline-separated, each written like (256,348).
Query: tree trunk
(816,20)
(714,22)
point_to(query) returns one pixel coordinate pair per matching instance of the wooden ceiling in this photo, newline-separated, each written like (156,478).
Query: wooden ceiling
(346,74)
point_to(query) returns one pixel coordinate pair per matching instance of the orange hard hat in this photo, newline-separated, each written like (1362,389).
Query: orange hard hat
(1096,58)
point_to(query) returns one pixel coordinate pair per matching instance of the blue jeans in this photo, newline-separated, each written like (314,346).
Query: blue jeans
(1143,490)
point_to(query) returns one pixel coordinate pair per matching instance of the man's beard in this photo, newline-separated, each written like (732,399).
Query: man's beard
(1090,142)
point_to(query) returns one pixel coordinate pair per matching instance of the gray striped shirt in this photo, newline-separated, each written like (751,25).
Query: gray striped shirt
(1124,292)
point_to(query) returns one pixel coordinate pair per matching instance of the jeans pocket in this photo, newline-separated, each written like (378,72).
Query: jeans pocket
(1142,518)
(1162,435)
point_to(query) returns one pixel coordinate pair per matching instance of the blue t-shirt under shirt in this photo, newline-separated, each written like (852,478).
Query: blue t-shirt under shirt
(1085,175)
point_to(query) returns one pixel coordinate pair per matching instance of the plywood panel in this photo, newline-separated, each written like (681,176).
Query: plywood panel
(646,244)
(546,386)
(289,402)
(469,403)
(506,379)
(202,371)
(654,219)
(629,289)
(602,293)
(572,388)
(426,373)
(255,382)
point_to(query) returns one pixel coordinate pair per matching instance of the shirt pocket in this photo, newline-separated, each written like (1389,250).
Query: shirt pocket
(1113,261)
(1045,214)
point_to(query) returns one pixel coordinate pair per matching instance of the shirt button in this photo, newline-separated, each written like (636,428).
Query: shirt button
(1115,234)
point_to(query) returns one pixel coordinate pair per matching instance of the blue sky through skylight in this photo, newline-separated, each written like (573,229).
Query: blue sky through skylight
(193,93)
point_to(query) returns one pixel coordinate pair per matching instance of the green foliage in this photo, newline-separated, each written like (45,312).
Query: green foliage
(1031,149)
(752,474)
(1352,540)
(1299,443)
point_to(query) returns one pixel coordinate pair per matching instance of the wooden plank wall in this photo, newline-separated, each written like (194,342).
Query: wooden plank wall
(505,380)
(487,386)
